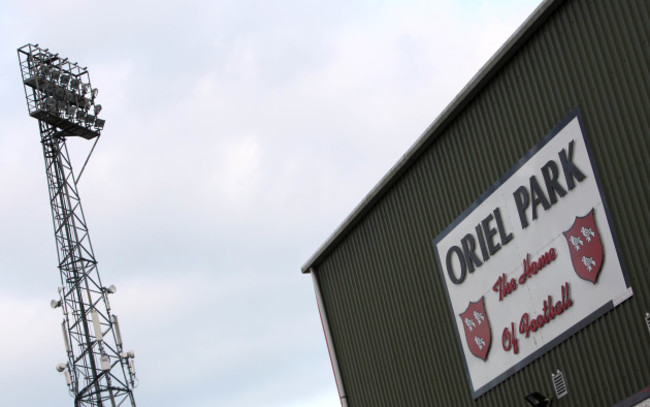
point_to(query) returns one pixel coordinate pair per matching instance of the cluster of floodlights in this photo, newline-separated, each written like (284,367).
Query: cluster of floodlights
(61,94)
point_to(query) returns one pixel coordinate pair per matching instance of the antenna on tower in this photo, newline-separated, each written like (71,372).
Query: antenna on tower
(60,96)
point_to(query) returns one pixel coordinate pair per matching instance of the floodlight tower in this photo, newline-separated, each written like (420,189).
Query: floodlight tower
(99,373)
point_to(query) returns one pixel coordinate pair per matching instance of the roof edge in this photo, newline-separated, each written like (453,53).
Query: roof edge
(453,110)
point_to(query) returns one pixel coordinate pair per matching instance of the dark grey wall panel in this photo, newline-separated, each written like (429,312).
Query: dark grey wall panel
(383,294)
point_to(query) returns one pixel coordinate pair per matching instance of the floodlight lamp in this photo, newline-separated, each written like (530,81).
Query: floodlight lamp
(70,111)
(60,367)
(98,108)
(100,123)
(82,103)
(51,103)
(55,304)
(65,78)
(95,92)
(74,83)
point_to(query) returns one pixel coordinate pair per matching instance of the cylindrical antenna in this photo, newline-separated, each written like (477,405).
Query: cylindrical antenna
(97,326)
(65,337)
(118,334)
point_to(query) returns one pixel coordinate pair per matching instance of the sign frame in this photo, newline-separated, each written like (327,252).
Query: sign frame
(575,327)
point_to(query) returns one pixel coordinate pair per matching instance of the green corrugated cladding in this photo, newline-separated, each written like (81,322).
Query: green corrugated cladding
(383,293)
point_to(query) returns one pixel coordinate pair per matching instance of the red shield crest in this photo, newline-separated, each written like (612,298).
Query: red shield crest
(585,247)
(477,328)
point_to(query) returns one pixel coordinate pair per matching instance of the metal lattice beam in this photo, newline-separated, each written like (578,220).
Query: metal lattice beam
(98,371)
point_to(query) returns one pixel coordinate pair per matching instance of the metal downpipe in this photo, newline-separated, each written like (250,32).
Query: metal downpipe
(328,340)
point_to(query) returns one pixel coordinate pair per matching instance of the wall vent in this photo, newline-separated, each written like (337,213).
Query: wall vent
(559,384)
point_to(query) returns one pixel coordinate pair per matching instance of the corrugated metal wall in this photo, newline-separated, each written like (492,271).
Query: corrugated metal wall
(383,294)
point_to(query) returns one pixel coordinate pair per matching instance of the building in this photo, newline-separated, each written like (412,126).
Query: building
(459,279)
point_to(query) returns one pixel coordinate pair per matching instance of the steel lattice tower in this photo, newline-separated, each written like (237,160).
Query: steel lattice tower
(59,94)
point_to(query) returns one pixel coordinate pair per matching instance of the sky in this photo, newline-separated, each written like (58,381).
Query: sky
(239,135)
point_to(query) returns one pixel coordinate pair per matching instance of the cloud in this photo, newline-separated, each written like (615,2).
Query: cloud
(238,136)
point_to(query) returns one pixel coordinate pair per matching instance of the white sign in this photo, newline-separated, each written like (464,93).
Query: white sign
(533,261)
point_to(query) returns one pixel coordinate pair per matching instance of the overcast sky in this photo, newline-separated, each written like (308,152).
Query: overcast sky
(239,135)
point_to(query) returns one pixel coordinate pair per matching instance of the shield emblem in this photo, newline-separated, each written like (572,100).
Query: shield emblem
(477,328)
(585,247)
